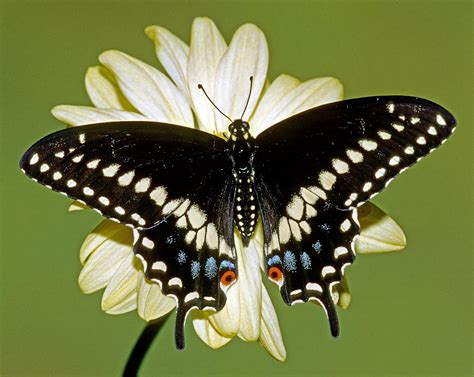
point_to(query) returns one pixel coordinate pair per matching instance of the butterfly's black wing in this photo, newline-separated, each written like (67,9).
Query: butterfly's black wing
(171,184)
(315,168)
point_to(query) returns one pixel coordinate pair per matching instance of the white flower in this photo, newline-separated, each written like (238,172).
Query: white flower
(124,88)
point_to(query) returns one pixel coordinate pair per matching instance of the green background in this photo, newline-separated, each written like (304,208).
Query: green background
(412,311)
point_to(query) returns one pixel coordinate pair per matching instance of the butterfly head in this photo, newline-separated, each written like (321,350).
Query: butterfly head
(239,130)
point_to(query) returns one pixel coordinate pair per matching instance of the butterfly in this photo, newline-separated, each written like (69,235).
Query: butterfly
(184,191)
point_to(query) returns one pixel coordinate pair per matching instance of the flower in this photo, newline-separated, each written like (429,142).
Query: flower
(124,88)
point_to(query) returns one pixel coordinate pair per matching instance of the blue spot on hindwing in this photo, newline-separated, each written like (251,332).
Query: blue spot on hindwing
(195,269)
(317,246)
(274,260)
(305,261)
(210,268)
(289,261)
(227,264)
(181,258)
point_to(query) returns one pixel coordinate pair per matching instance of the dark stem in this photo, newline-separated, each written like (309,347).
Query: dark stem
(149,333)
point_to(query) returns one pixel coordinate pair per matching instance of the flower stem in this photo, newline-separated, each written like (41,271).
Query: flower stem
(147,336)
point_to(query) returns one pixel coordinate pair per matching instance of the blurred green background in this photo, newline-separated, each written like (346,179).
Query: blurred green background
(412,311)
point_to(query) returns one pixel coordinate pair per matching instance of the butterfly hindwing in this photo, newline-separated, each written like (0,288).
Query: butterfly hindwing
(171,184)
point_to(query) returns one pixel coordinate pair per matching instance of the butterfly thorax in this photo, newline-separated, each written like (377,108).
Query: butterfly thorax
(243,150)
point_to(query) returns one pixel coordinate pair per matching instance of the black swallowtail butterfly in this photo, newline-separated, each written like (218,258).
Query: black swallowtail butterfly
(183,191)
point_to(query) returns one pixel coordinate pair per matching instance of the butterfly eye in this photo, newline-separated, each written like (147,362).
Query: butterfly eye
(275,273)
(228,278)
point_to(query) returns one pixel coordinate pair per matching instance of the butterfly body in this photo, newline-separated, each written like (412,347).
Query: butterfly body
(184,191)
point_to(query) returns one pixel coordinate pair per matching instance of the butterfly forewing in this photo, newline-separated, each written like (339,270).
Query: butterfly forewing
(316,167)
(171,184)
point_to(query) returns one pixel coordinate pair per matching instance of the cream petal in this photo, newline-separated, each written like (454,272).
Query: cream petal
(107,235)
(104,91)
(206,331)
(265,111)
(344,293)
(122,288)
(246,56)
(172,53)
(250,284)
(149,90)
(81,115)
(257,244)
(379,232)
(207,48)
(77,206)
(270,334)
(309,94)
(227,320)
(101,266)
(151,301)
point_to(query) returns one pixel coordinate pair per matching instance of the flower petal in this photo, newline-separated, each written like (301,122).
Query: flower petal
(250,284)
(104,91)
(270,334)
(108,235)
(80,115)
(227,321)
(151,301)
(207,48)
(120,296)
(172,53)
(101,266)
(149,90)
(379,232)
(305,96)
(206,331)
(246,56)
(77,206)
(264,113)
(345,296)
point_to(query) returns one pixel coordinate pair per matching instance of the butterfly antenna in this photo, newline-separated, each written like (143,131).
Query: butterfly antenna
(248,98)
(210,100)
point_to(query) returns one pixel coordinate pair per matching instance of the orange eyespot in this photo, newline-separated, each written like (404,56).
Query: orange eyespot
(275,273)
(228,278)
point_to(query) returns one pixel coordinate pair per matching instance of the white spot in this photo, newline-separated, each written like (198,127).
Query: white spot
(368,145)
(212,238)
(344,266)
(340,166)
(355,156)
(296,292)
(175,281)
(82,138)
(44,168)
(395,160)
(345,226)
(34,159)
(327,180)
(182,223)
(159,266)
(317,191)
(308,196)
(390,107)
(409,150)
(440,120)
(144,262)
(126,179)
(190,236)
(57,175)
(421,140)
(314,287)
(93,164)
(119,210)
(284,230)
(191,296)
(71,150)
(380,173)
(353,196)
(71,183)
(367,186)
(149,244)
(171,206)
(310,211)
(327,270)
(305,227)
(59,154)
(88,191)
(182,208)
(341,250)
(295,208)
(159,195)
(384,135)
(143,185)
(414,120)
(200,237)
(398,127)
(348,202)
(432,130)
(401,117)
(78,158)
(105,201)
(111,170)
(196,217)
(295,230)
